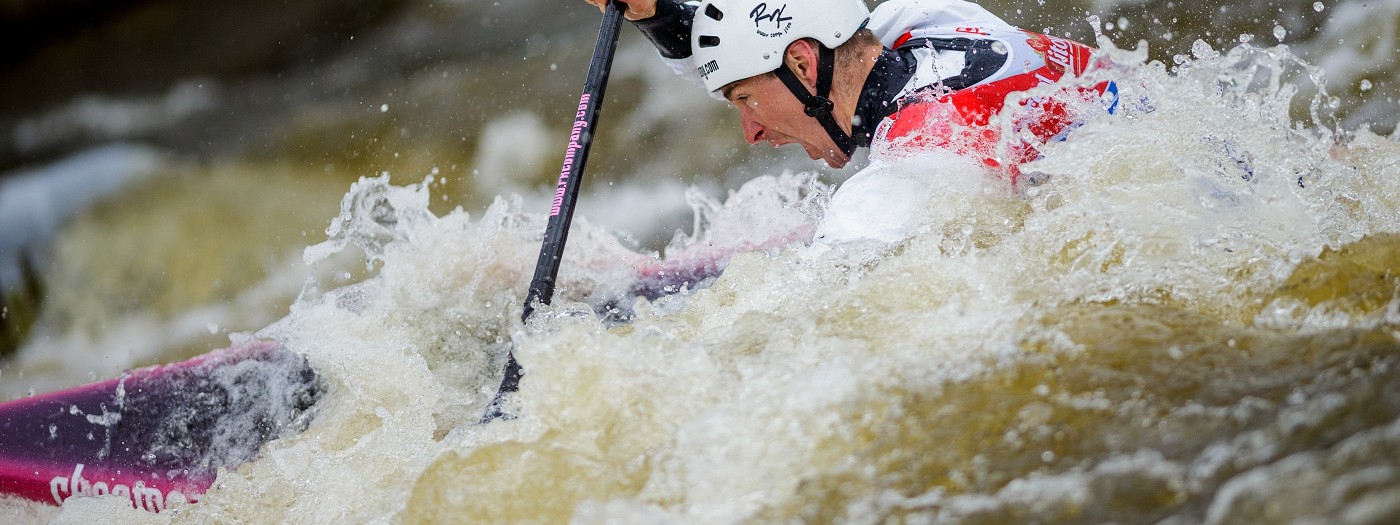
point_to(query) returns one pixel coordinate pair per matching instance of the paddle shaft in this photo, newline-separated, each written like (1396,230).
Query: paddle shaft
(561,212)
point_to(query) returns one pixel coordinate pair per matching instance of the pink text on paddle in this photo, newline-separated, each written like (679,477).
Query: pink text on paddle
(580,123)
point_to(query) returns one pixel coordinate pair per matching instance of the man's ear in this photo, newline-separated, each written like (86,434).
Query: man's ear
(801,58)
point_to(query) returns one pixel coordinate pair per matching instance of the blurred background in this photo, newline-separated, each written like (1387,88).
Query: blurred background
(163,163)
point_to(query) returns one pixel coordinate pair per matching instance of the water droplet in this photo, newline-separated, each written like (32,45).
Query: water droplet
(1365,85)
(383,108)
(1279,33)
(1317,6)
(1246,38)
(1123,23)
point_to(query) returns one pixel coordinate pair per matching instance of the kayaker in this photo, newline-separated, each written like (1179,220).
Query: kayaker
(833,76)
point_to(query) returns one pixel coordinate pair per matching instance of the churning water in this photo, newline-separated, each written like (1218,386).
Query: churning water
(1194,318)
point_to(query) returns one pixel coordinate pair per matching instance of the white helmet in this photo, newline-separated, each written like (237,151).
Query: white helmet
(737,39)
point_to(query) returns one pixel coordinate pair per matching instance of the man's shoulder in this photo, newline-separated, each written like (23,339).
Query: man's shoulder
(892,19)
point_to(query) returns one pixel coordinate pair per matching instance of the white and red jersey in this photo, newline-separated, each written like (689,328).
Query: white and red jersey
(934,112)
(969,61)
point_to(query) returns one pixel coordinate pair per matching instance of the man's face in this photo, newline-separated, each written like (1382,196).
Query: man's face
(769,112)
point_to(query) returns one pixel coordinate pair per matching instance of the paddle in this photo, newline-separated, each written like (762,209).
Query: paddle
(561,214)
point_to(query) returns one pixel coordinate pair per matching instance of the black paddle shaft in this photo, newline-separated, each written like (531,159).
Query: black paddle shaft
(561,212)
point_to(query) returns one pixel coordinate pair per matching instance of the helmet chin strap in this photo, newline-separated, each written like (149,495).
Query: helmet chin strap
(820,106)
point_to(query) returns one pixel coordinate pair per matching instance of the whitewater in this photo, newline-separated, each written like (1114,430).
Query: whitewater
(1192,316)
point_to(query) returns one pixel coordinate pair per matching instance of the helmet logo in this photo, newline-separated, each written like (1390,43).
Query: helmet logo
(709,67)
(780,24)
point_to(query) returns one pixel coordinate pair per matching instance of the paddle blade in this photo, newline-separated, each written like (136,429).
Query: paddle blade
(155,435)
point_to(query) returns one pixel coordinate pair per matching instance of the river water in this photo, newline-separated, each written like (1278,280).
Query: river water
(1194,319)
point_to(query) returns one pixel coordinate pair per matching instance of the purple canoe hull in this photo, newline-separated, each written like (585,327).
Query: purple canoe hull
(156,435)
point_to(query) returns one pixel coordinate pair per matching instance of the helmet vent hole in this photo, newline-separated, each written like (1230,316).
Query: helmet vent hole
(714,12)
(709,41)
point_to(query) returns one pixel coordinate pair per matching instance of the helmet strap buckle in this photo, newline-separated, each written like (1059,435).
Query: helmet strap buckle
(818,106)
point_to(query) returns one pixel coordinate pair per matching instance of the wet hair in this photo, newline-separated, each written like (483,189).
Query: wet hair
(850,51)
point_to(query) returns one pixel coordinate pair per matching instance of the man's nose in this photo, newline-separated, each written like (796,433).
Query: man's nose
(753,131)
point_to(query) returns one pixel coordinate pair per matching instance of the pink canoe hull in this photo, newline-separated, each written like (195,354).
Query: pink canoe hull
(157,435)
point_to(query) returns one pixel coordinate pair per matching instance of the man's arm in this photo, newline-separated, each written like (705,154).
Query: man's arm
(669,27)
(667,24)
